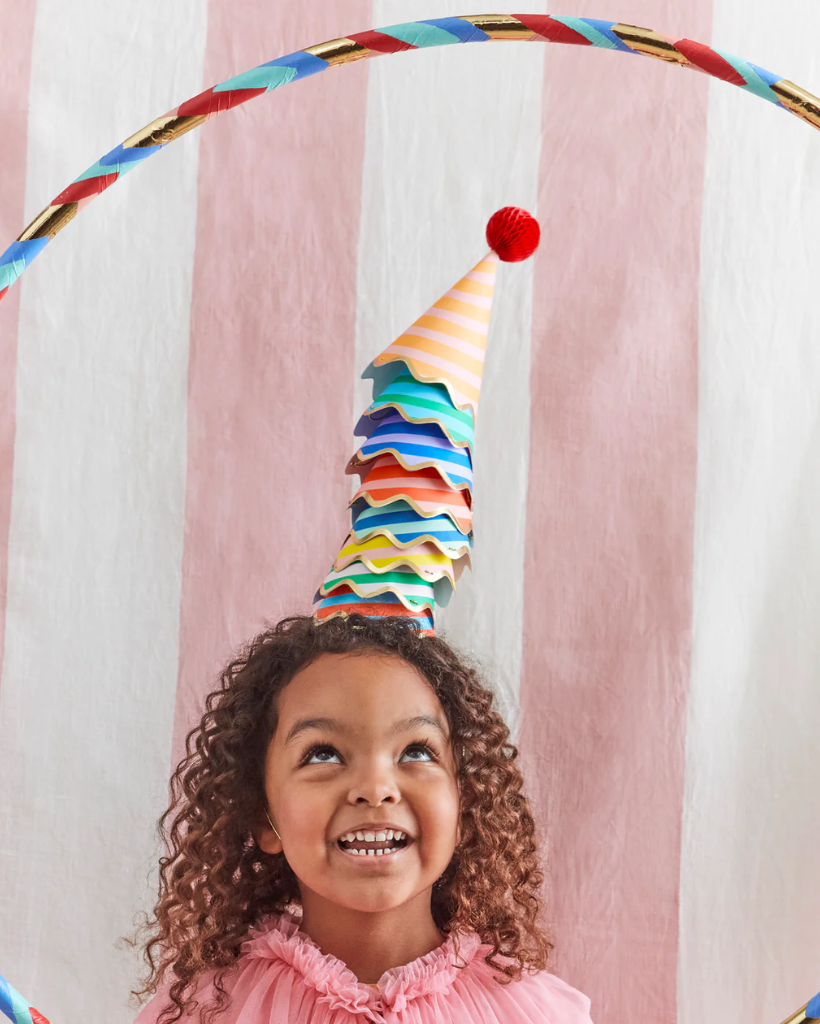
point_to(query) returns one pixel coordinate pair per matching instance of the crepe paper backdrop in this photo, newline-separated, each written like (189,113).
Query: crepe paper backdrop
(646,466)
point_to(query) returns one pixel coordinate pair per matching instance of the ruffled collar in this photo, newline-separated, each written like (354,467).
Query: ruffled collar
(279,938)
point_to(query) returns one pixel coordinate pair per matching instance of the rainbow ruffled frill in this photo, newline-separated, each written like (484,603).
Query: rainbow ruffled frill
(411,517)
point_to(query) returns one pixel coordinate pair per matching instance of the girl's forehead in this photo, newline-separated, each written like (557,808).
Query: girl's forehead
(371,685)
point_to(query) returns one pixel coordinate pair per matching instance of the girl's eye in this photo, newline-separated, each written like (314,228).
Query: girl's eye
(417,752)
(322,755)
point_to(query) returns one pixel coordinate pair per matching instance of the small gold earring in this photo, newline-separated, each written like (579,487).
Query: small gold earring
(273,827)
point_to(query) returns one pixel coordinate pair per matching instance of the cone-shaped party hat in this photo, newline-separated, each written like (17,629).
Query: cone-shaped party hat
(411,518)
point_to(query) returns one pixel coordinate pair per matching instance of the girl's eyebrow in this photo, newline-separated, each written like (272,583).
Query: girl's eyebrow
(332,725)
(415,722)
(328,724)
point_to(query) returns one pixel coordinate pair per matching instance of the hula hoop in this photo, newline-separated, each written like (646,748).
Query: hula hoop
(16,1008)
(414,35)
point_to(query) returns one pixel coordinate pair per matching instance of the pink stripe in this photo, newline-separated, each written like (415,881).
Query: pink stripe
(272,338)
(457,344)
(610,508)
(479,301)
(463,321)
(15,59)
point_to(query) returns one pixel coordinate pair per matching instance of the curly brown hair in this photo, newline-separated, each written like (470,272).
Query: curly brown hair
(215,883)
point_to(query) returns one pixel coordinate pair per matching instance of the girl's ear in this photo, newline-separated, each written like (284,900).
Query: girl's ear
(266,835)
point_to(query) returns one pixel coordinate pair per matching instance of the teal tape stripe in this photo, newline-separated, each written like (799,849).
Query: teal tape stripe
(19,1007)
(99,169)
(265,77)
(419,34)
(17,257)
(9,272)
(583,28)
(754,82)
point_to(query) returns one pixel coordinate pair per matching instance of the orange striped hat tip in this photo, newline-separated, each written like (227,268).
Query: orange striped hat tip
(446,345)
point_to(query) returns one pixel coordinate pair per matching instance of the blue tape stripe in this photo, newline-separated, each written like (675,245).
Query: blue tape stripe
(768,76)
(422,34)
(813,1009)
(121,156)
(605,30)
(17,257)
(463,30)
(109,164)
(755,83)
(274,73)
(12,1003)
(5,997)
(306,64)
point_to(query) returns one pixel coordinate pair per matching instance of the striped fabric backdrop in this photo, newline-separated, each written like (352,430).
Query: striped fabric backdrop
(178,388)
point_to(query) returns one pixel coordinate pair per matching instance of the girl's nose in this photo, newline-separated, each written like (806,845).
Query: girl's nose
(374,784)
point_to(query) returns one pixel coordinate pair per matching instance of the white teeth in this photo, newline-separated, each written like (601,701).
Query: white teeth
(349,837)
(389,834)
(380,837)
(360,835)
(398,835)
(373,853)
(370,837)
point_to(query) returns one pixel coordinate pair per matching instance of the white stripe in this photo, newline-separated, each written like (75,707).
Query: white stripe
(750,873)
(97,512)
(492,148)
(462,321)
(441,364)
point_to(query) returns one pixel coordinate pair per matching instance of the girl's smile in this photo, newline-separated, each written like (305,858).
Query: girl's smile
(374,840)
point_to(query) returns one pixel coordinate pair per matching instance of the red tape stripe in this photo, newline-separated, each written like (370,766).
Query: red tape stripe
(210,102)
(83,189)
(554,31)
(381,43)
(707,60)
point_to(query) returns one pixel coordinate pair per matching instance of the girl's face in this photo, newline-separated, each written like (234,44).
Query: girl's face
(361,782)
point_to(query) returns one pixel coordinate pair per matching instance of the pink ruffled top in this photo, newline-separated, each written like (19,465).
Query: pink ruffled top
(282,977)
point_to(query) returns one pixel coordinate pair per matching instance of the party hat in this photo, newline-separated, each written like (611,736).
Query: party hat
(411,517)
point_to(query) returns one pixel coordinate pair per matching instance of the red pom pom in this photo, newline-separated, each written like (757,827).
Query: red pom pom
(513,233)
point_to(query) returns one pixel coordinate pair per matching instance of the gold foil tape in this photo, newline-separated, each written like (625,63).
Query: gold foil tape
(164,130)
(650,43)
(50,221)
(501,26)
(339,51)
(798,101)
(799,1017)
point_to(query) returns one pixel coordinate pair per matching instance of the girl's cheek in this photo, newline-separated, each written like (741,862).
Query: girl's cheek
(306,811)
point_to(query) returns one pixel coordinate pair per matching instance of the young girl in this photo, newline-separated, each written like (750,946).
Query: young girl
(349,843)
